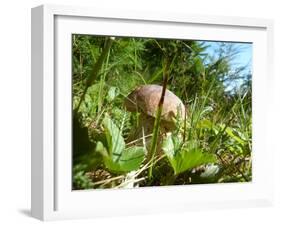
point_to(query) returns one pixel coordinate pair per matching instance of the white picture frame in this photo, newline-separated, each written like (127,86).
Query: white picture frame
(52,197)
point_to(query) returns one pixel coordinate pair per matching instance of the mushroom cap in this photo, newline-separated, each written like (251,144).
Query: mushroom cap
(146,99)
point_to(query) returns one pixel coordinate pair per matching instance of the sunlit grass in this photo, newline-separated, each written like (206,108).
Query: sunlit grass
(212,143)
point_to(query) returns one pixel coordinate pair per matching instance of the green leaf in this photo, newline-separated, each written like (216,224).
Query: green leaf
(230,133)
(183,159)
(130,159)
(112,94)
(115,141)
(101,149)
(119,159)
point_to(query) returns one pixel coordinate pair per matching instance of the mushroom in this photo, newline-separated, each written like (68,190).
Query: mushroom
(145,100)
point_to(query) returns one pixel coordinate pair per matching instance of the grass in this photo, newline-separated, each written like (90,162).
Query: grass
(211,144)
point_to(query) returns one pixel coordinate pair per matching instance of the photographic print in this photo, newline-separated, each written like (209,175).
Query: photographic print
(158,112)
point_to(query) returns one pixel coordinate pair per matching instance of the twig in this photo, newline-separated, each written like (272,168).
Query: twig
(135,141)
(129,181)
(103,182)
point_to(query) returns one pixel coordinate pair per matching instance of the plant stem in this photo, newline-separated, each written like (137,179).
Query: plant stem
(156,127)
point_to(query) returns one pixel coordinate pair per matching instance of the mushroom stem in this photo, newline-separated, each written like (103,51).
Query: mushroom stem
(158,117)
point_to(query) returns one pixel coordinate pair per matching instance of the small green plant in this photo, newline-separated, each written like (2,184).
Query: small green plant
(185,156)
(213,144)
(80,180)
(117,158)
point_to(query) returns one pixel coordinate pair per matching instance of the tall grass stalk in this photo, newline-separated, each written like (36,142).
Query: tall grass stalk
(156,127)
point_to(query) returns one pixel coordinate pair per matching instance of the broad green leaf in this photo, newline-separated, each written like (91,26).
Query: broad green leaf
(184,159)
(115,141)
(119,159)
(188,159)
(101,149)
(130,159)
(112,94)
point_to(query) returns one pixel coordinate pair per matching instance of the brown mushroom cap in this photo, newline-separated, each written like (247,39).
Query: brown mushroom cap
(146,99)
